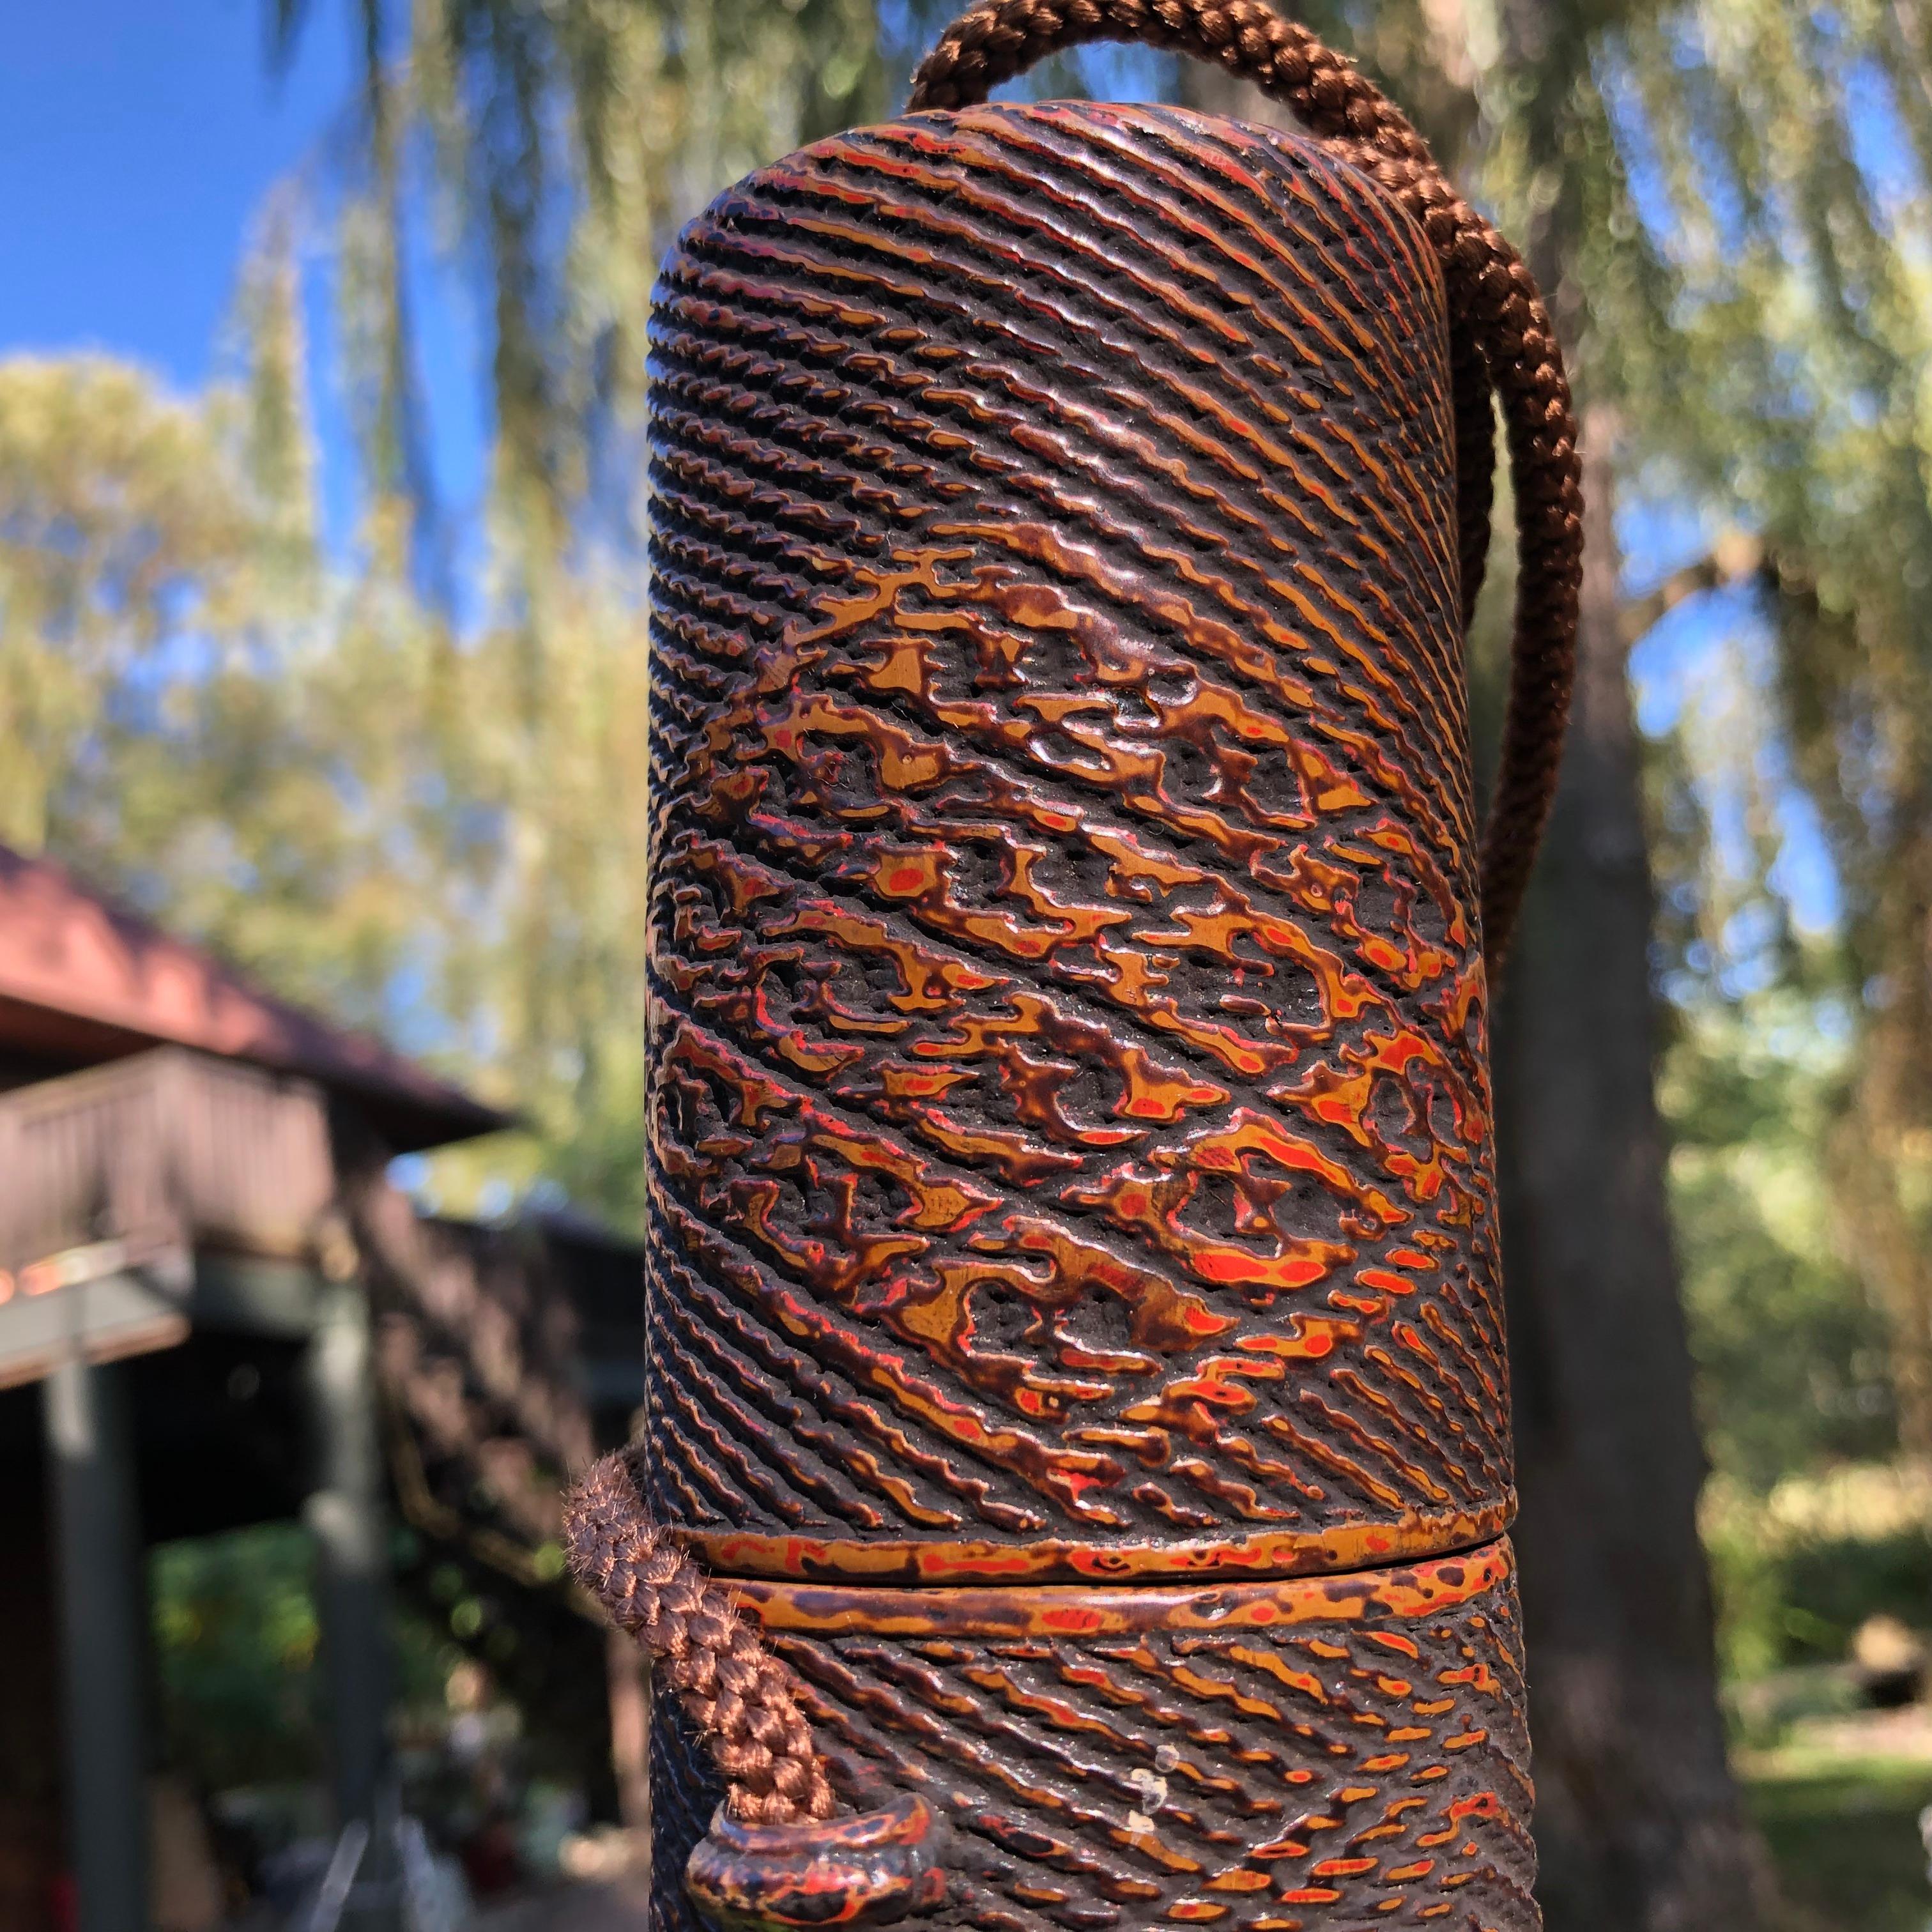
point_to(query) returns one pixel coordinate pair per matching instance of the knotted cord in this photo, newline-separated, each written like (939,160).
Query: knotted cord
(737,1694)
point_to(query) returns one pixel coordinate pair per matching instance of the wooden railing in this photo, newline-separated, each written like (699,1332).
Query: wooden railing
(169,1150)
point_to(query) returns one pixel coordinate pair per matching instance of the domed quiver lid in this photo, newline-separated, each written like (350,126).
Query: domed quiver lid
(1069,1111)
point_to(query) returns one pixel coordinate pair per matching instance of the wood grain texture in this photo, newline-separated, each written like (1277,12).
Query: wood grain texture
(1069,1108)
(1263,1757)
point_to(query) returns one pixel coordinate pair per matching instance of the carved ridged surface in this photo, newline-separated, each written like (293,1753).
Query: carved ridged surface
(1324,1752)
(1069,1103)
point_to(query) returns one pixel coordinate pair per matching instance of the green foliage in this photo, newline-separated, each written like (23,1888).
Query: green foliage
(1799,1568)
(236,1646)
(1791,1356)
(198,713)
(1778,1606)
(234,1640)
(1844,1836)
(123,522)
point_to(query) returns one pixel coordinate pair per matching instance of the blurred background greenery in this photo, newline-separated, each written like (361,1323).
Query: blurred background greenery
(394,765)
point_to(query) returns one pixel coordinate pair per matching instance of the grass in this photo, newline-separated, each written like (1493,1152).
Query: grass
(1843,1832)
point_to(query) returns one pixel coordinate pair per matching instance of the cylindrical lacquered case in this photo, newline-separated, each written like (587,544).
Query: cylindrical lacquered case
(1073,1309)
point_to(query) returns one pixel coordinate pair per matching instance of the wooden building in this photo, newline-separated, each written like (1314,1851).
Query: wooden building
(215,1311)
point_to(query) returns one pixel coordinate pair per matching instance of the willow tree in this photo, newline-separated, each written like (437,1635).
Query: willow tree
(186,701)
(1791,160)
(552,149)
(544,154)
(1753,327)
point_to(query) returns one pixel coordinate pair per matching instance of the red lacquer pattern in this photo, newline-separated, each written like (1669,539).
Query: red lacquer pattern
(1261,1757)
(1069,1111)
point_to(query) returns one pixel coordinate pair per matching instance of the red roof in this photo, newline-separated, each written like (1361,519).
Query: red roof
(82,981)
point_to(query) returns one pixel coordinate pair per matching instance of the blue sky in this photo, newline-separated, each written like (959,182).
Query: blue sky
(136,138)
(139,139)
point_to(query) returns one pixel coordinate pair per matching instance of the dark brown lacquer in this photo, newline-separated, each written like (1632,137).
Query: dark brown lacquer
(1073,1312)
(1315,1752)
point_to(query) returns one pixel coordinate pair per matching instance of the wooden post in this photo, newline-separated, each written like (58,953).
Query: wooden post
(345,1516)
(97,1543)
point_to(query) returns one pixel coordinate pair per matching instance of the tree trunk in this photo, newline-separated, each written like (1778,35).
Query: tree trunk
(1639,1823)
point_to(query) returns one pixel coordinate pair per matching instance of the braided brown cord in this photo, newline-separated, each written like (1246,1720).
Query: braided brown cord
(1500,338)
(737,1694)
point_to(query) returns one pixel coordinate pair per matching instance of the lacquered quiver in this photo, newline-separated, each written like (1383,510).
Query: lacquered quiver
(1073,1306)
